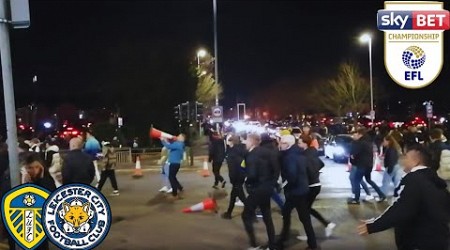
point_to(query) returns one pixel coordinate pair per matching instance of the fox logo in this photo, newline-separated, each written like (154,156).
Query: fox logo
(76,216)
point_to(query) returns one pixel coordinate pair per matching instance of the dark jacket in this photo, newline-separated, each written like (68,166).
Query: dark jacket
(274,155)
(294,171)
(235,156)
(362,153)
(216,150)
(420,214)
(5,181)
(315,164)
(46,181)
(78,167)
(435,149)
(259,169)
(390,159)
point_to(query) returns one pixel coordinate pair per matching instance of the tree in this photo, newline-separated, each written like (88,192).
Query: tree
(207,89)
(348,92)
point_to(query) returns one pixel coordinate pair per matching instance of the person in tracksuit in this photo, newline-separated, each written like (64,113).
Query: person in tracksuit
(235,155)
(259,184)
(176,151)
(294,171)
(420,214)
(217,156)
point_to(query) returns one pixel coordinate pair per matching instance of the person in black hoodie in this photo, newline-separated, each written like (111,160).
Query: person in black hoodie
(294,171)
(420,213)
(361,156)
(235,155)
(392,150)
(315,164)
(260,172)
(216,156)
(268,143)
(78,166)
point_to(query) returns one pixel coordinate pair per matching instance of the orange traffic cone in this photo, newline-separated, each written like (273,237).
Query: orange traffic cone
(138,170)
(158,134)
(206,204)
(205,171)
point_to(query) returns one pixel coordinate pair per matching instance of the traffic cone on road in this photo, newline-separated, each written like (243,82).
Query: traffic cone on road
(138,170)
(205,171)
(206,204)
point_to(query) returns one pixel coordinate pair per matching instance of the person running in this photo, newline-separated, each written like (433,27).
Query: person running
(313,170)
(108,163)
(235,155)
(176,150)
(420,213)
(362,158)
(217,156)
(392,171)
(294,171)
(259,185)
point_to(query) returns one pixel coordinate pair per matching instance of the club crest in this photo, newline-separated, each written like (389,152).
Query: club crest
(22,214)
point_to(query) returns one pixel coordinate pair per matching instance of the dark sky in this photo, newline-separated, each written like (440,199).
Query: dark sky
(80,48)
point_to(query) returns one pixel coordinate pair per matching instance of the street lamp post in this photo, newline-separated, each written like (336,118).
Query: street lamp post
(200,54)
(366,38)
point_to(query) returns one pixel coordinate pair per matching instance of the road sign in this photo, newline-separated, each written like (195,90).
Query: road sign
(429,109)
(120,121)
(217,114)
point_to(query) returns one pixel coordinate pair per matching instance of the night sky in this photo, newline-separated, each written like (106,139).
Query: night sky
(82,50)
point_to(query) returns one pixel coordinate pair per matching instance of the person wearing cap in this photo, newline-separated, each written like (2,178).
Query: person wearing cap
(108,164)
(259,184)
(294,171)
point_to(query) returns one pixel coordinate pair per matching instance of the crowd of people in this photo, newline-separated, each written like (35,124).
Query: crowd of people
(43,165)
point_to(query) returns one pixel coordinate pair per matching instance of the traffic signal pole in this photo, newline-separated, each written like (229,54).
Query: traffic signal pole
(8,92)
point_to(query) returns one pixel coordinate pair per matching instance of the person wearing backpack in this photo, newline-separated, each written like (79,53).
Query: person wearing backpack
(52,161)
(315,164)
(108,163)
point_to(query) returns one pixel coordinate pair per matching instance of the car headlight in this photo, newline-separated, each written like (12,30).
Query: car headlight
(339,151)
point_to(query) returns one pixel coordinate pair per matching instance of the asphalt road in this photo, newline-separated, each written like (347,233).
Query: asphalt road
(145,219)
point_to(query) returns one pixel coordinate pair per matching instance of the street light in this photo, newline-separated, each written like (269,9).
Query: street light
(200,53)
(367,38)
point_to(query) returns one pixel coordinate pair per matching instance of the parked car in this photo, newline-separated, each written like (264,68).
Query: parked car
(337,147)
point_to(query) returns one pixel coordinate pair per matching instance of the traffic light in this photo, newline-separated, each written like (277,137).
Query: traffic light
(177,112)
(198,111)
(185,112)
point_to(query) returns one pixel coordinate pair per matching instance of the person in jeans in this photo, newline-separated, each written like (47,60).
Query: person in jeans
(259,183)
(364,186)
(362,158)
(235,155)
(392,171)
(176,151)
(165,171)
(108,162)
(294,170)
(313,169)
(217,156)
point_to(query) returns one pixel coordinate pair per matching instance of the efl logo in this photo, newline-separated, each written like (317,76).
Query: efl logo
(413,41)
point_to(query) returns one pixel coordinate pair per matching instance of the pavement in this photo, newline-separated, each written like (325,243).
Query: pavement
(145,219)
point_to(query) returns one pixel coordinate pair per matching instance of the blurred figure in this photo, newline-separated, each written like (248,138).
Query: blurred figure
(440,154)
(53,161)
(270,144)
(35,145)
(398,136)
(217,156)
(411,137)
(392,172)
(108,164)
(78,166)
(163,161)
(235,155)
(176,150)
(294,170)
(362,158)
(259,184)
(315,164)
(420,213)
(307,131)
(92,147)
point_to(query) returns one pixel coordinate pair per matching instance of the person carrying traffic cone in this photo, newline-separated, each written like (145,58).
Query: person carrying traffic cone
(176,150)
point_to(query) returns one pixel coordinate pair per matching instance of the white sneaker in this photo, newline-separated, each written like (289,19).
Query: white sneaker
(302,237)
(115,193)
(164,189)
(169,191)
(329,229)
(369,198)
(239,203)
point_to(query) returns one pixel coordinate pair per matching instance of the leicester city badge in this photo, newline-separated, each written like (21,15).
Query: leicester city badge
(22,214)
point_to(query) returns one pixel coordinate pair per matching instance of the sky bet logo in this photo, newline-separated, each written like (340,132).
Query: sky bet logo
(413,41)
(413,20)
